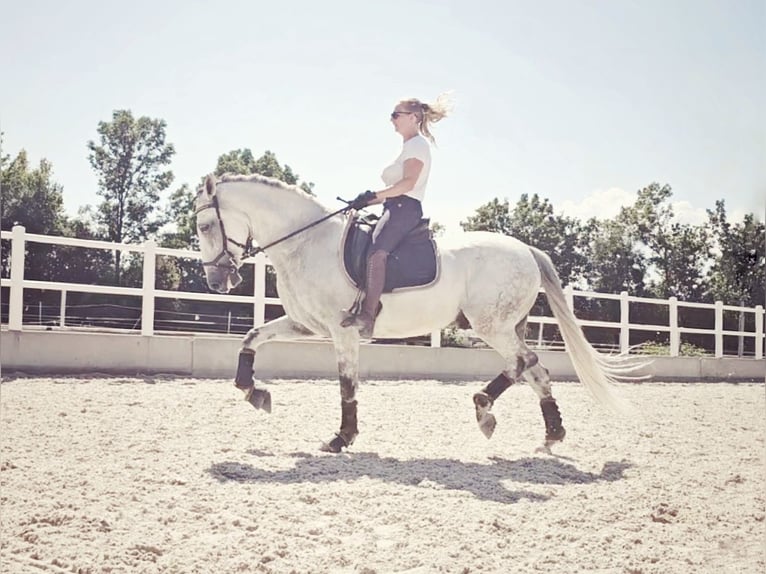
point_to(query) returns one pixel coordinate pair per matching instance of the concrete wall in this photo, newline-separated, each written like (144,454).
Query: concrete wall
(216,357)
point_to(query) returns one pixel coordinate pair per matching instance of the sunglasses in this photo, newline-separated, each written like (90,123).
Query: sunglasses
(395,115)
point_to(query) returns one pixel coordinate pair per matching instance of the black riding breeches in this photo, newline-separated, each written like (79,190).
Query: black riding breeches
(401,215)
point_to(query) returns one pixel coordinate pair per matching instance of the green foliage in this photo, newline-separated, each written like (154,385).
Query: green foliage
(453,337)
(663,350)
(614,263)
(493,216)
(180,211)
(643,250)
(130,161)
(437,229)
(677,252)
(30,197)
(739,272)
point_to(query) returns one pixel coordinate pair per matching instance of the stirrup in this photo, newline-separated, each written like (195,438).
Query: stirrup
(361,321)
(349,319)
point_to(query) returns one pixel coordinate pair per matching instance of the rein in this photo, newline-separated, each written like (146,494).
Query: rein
(248,250)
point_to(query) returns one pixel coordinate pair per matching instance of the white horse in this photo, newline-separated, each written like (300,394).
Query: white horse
(487,280)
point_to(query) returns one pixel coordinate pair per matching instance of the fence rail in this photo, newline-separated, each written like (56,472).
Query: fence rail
(149,294)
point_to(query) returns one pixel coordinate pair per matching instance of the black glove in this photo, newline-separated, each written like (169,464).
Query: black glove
(362,200)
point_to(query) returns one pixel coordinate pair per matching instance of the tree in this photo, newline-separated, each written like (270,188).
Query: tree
(614,262)
(493,216)
(677,252)
(130,162)
(180,211)
(30,197)
(738,274)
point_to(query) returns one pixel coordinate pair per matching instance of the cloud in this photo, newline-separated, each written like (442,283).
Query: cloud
(606,204)
(599,203)
(686,213)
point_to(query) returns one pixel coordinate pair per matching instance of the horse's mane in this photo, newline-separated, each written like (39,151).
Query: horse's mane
(273,182)
(264,179)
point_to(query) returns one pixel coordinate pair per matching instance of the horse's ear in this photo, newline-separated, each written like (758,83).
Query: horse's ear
(210,186)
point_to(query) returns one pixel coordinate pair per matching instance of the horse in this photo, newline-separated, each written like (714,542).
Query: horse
(487,281)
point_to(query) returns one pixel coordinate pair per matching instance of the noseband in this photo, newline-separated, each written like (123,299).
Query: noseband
(247,247)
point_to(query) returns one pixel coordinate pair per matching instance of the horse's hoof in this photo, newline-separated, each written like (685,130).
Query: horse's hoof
(335,445)
(486,419)
(338,443)
(487,424)
(259,398)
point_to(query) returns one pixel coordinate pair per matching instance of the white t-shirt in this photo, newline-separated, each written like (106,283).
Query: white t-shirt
(418,148)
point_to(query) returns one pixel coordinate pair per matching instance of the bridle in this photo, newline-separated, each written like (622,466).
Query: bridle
(248,250)
(247,246)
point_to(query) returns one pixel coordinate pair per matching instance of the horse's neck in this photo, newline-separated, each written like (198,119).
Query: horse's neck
(276,213)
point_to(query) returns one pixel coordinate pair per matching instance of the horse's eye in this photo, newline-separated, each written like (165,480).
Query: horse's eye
(204,228)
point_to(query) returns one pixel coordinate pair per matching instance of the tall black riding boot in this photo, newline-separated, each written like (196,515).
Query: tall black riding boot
(376,281)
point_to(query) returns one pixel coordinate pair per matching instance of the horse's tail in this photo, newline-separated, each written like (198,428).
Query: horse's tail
(597,372)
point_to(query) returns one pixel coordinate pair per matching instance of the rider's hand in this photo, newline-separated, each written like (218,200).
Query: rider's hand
(363,200)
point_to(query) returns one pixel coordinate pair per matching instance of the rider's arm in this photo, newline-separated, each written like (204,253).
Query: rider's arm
(412,169)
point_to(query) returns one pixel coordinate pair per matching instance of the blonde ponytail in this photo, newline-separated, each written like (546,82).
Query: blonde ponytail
(430,113)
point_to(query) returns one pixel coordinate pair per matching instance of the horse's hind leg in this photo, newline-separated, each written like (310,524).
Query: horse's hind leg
(538,378)
(484,399)
(521,361)
(518,359)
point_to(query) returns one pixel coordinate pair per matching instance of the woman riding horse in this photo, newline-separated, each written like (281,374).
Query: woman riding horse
(406,180)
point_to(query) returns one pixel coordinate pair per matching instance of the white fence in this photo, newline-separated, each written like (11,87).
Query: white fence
(149,294)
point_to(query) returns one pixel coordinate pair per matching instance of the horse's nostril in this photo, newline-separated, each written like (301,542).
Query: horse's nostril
(215,286)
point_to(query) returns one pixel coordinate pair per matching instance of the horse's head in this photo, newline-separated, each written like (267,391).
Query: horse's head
(224,236)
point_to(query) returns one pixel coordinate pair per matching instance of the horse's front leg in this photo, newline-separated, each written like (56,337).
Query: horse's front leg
(281,329)
(347,354)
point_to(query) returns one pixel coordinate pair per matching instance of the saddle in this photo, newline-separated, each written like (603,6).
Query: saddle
(414,263)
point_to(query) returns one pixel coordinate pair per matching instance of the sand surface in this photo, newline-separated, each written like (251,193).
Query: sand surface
(173,475)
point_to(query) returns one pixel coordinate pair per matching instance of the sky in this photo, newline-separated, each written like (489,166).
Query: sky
(582,102)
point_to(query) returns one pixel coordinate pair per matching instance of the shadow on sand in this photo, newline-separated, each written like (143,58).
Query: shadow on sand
(485,481)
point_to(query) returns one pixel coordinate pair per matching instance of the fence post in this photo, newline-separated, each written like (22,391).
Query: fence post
(16,299)
(759,331)
(741,329)
(62,314)
(675,334)
(624,322)
(718,329)
(259,290)
(147,299)
(436,339)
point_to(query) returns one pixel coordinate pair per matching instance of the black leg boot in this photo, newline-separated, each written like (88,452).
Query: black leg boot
(376,281)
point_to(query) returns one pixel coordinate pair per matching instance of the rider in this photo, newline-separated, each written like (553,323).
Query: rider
(405,181)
